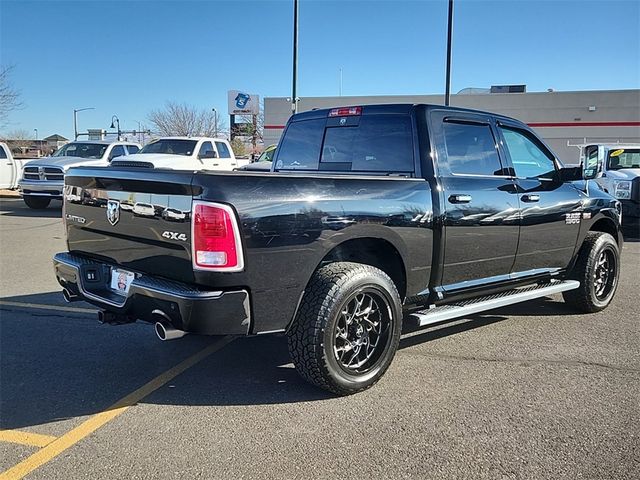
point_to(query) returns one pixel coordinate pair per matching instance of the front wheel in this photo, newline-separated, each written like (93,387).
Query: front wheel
(37,203)
(347,329)
(597,269)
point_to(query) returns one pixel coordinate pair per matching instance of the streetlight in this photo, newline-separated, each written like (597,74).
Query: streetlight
(36,130)
(75,119)
(215,122)
(114,117)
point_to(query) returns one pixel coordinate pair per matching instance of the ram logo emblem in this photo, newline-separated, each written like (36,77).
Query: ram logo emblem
(113,211)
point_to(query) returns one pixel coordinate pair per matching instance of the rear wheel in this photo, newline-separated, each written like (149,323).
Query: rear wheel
(347,329)
(37,203)
(597,269)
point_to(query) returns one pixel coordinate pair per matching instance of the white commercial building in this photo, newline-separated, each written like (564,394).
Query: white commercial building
(561,118)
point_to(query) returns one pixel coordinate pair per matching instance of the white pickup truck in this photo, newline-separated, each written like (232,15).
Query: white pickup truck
(10,168)
(184,153)
(43,179)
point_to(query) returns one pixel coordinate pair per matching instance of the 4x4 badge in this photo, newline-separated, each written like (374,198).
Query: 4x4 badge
(113,211)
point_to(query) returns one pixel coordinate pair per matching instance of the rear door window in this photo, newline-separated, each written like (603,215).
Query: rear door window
(132,149)
(471,149)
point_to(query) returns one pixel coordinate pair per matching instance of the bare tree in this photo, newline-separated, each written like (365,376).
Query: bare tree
(19,140)
(186,120)
(9,96)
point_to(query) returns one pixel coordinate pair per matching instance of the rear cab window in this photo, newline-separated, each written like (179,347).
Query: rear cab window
(377,143)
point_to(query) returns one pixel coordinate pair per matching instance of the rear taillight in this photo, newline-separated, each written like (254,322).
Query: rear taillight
(215,238)
(345,111)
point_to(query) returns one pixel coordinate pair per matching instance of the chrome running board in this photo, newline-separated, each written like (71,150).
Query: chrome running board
(490,302)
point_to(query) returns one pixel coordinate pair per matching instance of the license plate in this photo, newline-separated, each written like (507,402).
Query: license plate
(121,280)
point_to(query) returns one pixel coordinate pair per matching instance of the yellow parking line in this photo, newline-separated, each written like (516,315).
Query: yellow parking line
(61,308)
(26,438)
(89,426)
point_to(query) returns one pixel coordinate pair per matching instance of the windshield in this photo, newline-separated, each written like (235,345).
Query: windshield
(83,150)
(624,158)
(172,147)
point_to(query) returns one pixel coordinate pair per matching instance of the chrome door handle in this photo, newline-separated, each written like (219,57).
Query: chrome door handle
(530,198)
(459,198)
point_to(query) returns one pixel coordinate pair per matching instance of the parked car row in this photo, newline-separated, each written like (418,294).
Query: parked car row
(43,180)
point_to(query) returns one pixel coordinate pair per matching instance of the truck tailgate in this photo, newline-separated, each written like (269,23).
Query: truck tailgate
(137,218)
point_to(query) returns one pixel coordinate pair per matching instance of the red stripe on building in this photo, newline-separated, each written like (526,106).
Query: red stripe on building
(273,127)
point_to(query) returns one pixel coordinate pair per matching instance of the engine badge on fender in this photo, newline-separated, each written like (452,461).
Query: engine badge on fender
(572,218)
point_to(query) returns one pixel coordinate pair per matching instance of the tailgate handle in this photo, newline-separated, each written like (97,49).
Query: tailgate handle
(530,198)
(459,198)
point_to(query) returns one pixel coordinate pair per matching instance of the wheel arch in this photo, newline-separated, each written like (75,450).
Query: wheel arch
(367,250)
(606,225)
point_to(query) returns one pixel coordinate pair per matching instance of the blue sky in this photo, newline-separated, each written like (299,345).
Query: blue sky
(130,57)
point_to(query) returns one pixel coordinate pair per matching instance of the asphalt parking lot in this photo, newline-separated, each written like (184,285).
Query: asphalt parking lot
(531,391)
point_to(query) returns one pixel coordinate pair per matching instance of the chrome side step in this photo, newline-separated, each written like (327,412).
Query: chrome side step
(481,304)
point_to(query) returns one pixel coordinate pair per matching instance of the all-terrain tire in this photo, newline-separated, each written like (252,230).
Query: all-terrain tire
(322,332)
(597,286)
(37,203)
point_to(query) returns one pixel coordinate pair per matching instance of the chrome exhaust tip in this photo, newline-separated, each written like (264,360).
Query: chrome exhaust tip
(164,330)
(69,297)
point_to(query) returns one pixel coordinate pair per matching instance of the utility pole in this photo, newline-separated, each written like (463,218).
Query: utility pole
(215,122)
(255,136)
(447,93)
(294,98)
(75,120)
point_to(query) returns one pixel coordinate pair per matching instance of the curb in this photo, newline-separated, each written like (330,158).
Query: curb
(9,194)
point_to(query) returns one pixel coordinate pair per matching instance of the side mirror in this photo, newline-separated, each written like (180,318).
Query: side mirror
(592,162)
(208,154)
(592,172)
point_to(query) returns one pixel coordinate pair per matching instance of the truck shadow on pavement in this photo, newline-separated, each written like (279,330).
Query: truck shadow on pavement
(15,207)
(59,365)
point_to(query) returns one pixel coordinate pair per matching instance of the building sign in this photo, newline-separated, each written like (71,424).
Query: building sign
(96,134)
(242,103)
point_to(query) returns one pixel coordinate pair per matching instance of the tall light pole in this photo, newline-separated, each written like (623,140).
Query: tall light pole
(294,99)
(117,120)
(36,130)
(447,92)
(75,120)
(215,122)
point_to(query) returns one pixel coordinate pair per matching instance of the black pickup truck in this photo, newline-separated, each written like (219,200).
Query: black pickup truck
(370,216)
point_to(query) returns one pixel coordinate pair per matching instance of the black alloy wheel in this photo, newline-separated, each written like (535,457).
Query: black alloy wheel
(597,268)
(347,328)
